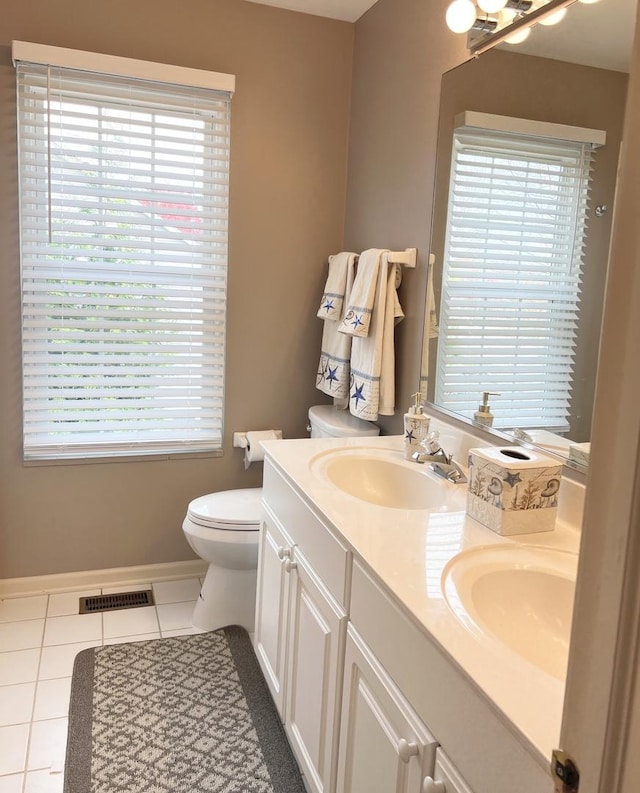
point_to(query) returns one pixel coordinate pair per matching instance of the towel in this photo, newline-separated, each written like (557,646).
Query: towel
(334,368)
(372,390)
(357,317)
(334,291)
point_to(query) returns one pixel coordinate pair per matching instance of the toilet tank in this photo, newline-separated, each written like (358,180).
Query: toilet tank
(326,421)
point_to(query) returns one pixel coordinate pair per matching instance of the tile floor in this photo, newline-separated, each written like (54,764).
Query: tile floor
(39,639)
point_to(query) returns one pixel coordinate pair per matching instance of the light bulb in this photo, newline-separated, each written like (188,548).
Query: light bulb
(461,15)
(553,19)
(519,36)
(588,2)
(492,6)
(507,15)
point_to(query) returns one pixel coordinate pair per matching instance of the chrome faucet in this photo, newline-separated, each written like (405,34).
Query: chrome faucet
(439,461)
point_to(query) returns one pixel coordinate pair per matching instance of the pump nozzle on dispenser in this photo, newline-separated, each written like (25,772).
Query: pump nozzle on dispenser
(483,414)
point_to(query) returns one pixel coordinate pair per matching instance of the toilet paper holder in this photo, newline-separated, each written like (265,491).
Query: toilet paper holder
(240,439)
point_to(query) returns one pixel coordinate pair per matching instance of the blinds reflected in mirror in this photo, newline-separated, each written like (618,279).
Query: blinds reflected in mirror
(511,275)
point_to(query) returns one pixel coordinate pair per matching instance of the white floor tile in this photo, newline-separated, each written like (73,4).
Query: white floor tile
(114,590)
(129,622)
(141,637)
(57,661)
(175,615)
(19,666)
(73,628)
(11,783)
(52,699)
(14,748)
(47,745)
(43,782)
(15,609)
(176,591)
(181,632)
(21,635)
(16,703)
(68,602)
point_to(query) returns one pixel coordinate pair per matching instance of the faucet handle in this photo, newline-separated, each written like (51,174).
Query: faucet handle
(431,444)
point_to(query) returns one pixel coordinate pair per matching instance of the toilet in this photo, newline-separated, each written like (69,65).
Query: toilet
(326,421)
(223,529)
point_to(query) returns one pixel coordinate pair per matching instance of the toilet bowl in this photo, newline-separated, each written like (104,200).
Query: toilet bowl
(223,529)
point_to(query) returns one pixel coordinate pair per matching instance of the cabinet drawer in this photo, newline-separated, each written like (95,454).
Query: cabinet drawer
(328,557)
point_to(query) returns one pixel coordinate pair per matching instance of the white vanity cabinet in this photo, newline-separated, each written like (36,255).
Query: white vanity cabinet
(272,606)
(316,632)
(301,626)
(361,686)
(383,743)
(445,778)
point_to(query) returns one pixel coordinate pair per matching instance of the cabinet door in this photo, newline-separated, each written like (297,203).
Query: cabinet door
(317,626)
(384,746)
(270,639)
(446,778)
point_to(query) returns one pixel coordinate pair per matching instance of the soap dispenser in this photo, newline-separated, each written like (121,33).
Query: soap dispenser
(416,427)
(483,414)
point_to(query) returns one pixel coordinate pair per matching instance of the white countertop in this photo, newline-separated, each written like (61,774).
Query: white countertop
(407,550)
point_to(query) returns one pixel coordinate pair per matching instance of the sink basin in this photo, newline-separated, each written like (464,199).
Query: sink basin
(520,596)
(386,479)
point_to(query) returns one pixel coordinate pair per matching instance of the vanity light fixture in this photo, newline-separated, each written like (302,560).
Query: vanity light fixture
(491,22)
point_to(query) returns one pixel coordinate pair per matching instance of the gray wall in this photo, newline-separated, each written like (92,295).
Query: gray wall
(402,49)
(290,121)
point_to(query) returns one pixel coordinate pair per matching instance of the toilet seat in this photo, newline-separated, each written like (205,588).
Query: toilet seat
(228,510)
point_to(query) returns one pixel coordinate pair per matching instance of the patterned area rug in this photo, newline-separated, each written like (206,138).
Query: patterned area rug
(190,714)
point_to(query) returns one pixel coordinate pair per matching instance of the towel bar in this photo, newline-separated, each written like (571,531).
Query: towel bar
(407,257)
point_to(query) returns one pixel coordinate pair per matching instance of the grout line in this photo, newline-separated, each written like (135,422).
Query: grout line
(33,704)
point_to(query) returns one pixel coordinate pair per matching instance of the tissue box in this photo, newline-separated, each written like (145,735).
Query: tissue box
(513,490)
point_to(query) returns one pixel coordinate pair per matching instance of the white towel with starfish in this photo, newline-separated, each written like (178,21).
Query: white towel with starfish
(333,373)
(372,390)
(357,317)
(333,296)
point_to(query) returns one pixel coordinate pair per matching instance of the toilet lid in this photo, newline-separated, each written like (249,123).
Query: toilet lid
(238,510)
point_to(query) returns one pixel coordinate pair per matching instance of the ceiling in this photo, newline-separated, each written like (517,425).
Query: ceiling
(346,10)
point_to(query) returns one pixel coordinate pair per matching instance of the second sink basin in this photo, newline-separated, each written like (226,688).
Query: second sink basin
(384,478)
(520,595)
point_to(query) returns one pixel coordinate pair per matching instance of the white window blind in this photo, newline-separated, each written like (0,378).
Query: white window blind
(511,275)
(123,209)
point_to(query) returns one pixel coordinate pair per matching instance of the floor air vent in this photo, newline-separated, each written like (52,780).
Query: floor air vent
(119,600)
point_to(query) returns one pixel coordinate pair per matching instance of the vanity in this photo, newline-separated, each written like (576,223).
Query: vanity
(407,647)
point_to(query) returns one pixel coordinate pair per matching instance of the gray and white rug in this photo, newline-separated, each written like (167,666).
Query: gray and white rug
(190,714)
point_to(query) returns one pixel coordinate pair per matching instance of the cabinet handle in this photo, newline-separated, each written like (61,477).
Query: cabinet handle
(284,553)
(407,750)
(289,565)
(430,785)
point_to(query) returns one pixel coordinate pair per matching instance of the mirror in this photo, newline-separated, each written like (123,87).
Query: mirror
(561,75)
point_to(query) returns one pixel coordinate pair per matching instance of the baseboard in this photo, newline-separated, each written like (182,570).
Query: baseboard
(61,582)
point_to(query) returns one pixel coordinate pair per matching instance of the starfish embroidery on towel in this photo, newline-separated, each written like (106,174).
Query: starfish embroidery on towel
(511,479)
(328,305)
(410,436)
(357,321)
(332,377)
(357,394)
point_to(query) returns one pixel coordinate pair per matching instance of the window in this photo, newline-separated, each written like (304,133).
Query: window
(511,274)
(123,208)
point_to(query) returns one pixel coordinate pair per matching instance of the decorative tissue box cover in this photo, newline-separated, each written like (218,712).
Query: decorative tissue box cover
(513,490)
